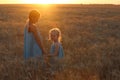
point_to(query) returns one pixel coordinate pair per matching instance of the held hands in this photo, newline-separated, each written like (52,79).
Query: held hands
(44,52)
(47,57)
(47,60)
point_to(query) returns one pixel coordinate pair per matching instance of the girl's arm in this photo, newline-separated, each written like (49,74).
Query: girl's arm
(56,51)
(33,29)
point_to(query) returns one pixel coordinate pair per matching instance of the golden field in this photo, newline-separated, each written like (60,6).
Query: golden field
(90,37)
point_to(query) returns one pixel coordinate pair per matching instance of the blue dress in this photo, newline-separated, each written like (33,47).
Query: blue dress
(31,48)
(60,52)
(55,61)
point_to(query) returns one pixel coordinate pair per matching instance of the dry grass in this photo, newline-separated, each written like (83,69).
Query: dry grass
(91,41)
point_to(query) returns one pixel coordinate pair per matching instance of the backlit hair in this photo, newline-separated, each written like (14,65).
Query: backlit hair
(33,15)
(55,31)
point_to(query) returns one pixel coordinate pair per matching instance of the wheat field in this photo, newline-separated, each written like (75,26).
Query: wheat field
(90,38)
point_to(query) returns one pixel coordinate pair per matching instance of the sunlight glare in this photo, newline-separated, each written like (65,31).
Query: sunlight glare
(45,1)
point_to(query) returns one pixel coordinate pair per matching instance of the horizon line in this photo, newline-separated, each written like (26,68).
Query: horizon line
(62,3)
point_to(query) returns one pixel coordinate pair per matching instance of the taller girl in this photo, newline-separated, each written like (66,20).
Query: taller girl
(33,45)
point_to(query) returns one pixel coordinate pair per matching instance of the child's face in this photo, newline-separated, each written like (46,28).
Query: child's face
(54,37)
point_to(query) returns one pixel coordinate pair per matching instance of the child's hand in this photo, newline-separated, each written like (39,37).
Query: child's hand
(49,55)
(44,52)
(47,60)
(46,57)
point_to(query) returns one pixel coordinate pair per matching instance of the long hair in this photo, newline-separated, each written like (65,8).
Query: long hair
(55,31)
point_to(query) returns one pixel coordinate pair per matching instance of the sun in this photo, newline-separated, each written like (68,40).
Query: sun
(45,1)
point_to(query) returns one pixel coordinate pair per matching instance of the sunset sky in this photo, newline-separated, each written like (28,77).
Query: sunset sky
(60,1)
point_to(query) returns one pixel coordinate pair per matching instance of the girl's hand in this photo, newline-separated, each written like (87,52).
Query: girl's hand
(46,59)
(50,55)
(44,52)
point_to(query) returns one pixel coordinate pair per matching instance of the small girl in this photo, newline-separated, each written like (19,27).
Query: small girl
(56,51)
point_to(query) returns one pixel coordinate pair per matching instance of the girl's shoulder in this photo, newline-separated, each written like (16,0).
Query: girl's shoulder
(32,28)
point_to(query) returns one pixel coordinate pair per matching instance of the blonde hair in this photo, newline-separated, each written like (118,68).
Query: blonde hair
(55,31)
